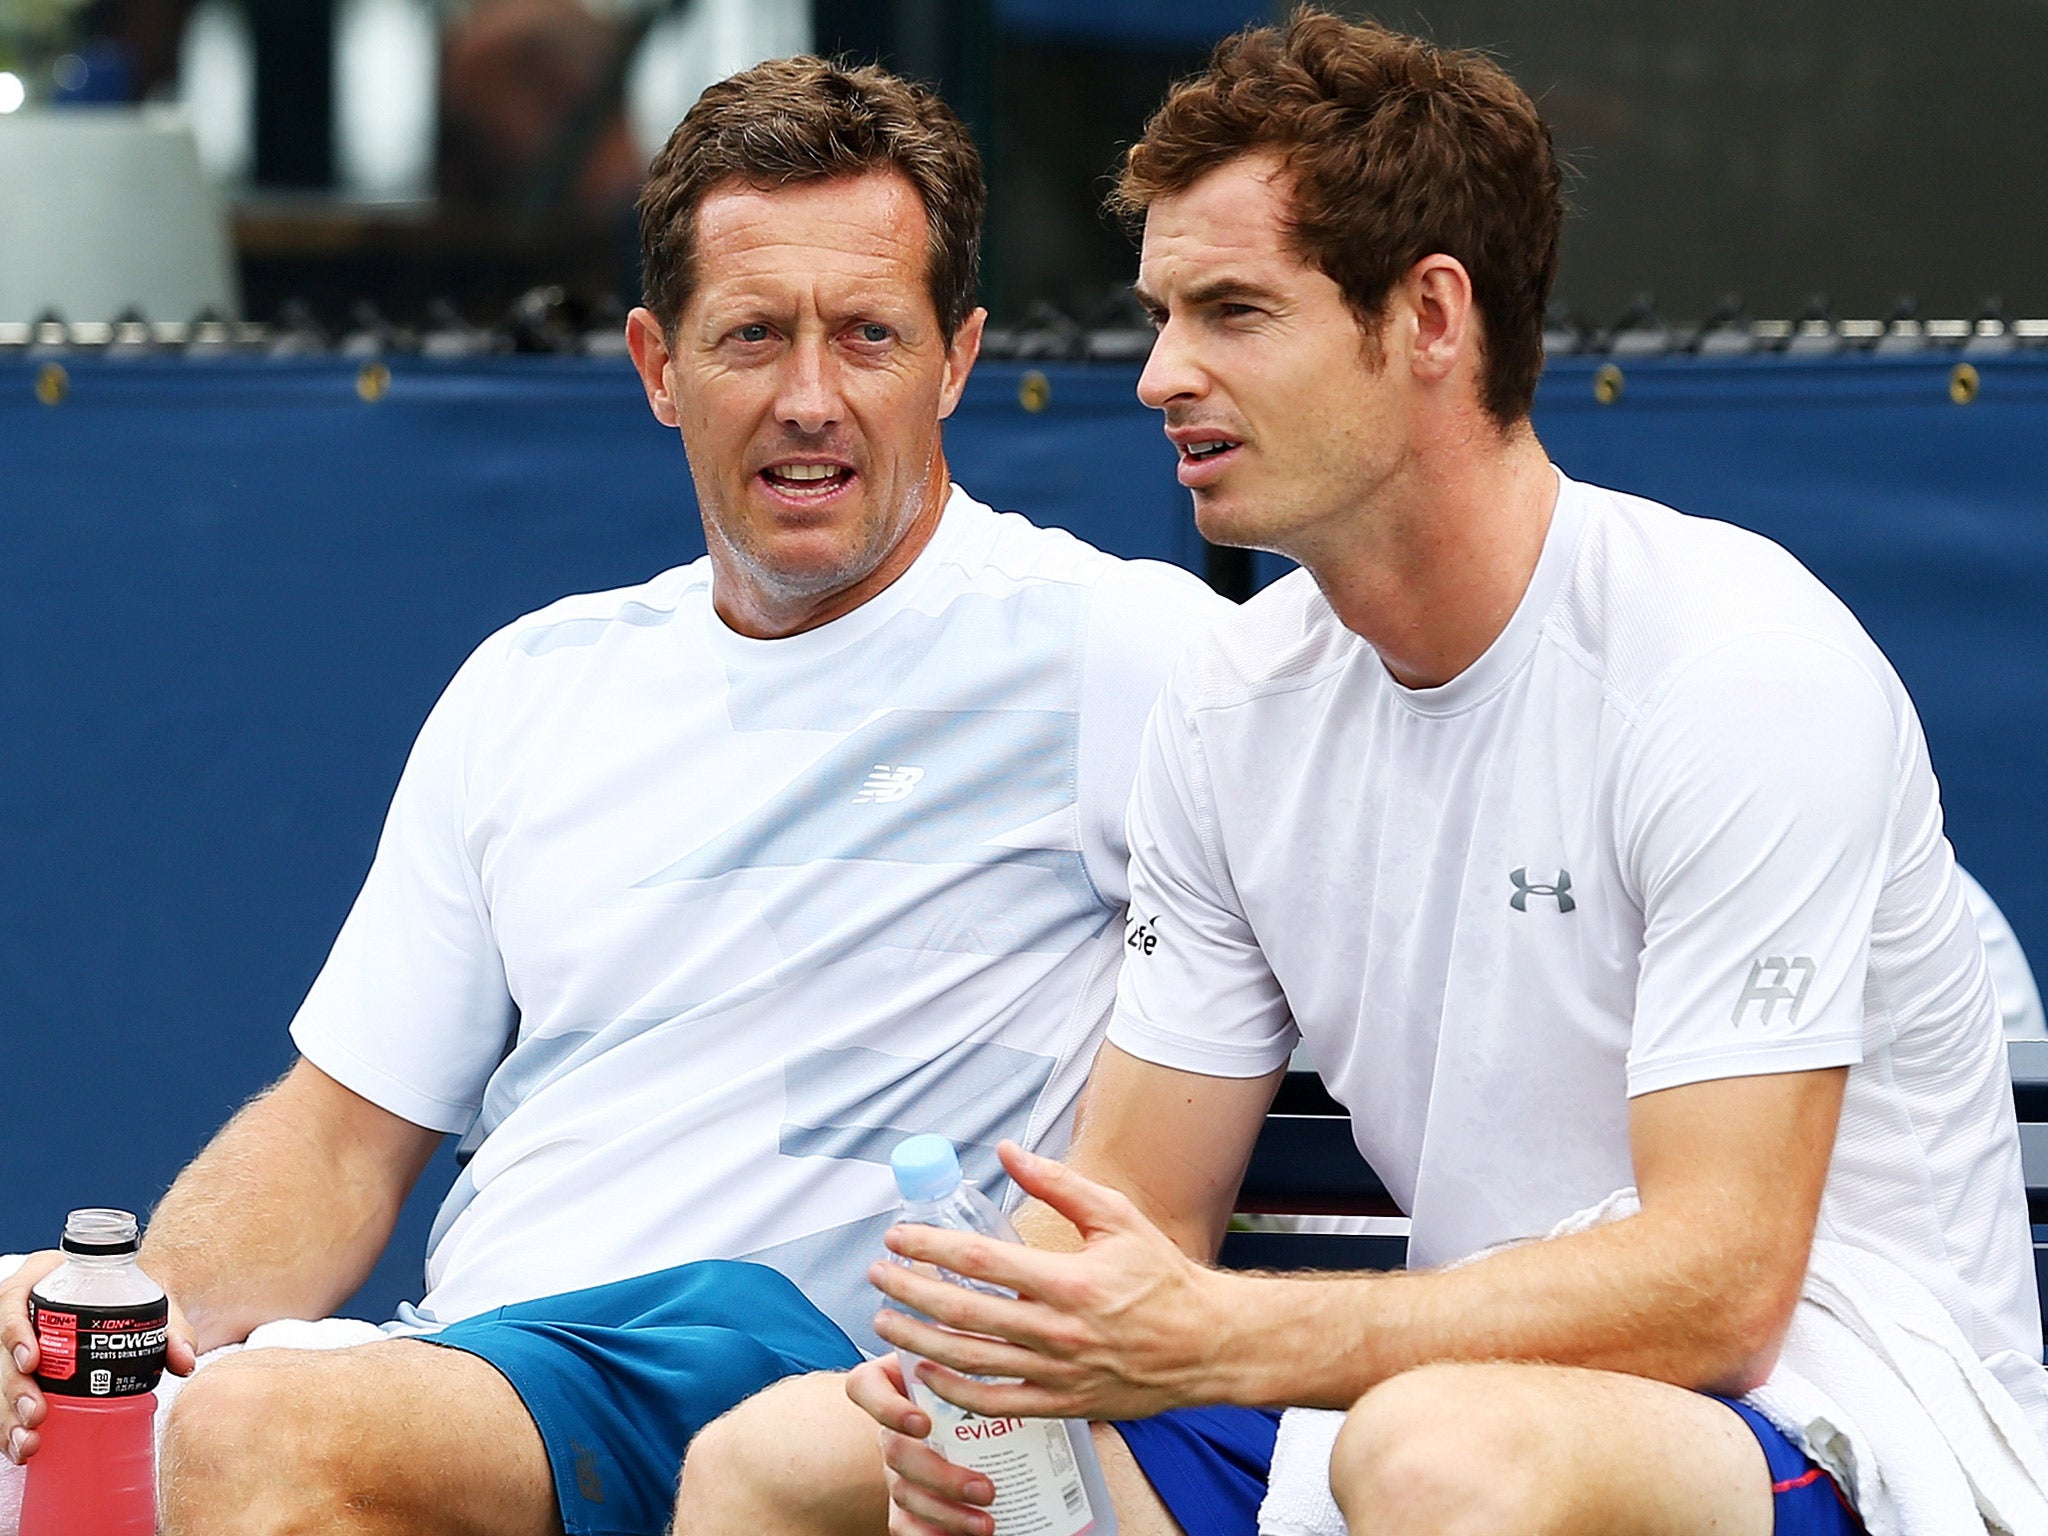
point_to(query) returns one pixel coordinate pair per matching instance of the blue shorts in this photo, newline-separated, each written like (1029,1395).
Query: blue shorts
(1806,1499)
(1208,1465)
(620,1377)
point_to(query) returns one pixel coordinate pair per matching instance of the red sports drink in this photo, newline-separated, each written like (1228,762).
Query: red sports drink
(100,1325)
(96,1472)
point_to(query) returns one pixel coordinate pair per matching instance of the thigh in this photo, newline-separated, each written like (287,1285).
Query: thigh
(800,1457)
(394,1435)
(620,1378)
(1204,1468)
(1543,1448)
(1140,1511)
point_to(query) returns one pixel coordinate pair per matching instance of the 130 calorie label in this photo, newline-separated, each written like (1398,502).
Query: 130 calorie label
(1039,1491)
(99,1351)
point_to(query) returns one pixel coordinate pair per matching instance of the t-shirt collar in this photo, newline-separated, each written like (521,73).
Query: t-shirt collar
(852,626)
(1515,643)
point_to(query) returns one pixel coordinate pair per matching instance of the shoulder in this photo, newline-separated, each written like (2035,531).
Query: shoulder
(1145,602)
(580,620)
(1285,639)
(1654,594)
(546,654)
(1012,544)
(582,617)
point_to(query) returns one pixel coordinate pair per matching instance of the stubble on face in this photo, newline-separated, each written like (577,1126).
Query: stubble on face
(854,552)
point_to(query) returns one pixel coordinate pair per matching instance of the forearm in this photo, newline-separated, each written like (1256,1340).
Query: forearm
(1175,1143)
(285,1211)
(1197,1234)
(1641,1296)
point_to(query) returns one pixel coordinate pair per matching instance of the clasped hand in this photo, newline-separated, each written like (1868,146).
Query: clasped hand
(1126,1327)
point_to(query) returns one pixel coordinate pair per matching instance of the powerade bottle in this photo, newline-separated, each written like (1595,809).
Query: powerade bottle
(100,1325)
(1046,1477)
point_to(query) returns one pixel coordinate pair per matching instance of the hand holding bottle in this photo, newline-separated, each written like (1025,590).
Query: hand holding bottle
(1043,1473)
(101,1329)
(22,1401)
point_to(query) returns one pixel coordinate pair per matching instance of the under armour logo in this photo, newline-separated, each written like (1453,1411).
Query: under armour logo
(1770,983)
(886,785)
(1560,890)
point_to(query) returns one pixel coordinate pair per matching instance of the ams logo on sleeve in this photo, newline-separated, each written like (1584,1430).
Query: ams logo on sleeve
(1774,979)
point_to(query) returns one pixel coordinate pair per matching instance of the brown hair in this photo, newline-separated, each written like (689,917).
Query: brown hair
(806,119)
(1397,150)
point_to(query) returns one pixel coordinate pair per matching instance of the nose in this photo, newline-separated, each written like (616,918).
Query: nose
(809,399)
(1171,372)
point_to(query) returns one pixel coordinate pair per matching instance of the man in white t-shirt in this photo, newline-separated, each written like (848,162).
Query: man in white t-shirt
(694,899)
(1591,849)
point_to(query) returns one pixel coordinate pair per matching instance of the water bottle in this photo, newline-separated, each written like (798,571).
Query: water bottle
(1046,1477)
(100,1325)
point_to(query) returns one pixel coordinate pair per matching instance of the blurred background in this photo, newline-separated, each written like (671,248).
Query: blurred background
(1880,159)
(310,378)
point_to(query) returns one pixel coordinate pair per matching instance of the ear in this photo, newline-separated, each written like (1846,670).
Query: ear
(961,352)
(649,346)
(1438,291)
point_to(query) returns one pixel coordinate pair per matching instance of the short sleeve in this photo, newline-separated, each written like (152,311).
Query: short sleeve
(1144,614)
(411,1009)
(1756,817)
(1195,992)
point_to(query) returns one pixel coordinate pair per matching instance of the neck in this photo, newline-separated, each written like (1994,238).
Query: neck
(754,608)
(1430,574)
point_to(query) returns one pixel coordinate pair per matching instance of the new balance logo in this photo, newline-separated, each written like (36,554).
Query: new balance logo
(1771,982)
(1559,890)
(886,785)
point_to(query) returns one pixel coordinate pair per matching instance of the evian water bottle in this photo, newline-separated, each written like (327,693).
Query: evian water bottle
(100,1325)
(1046,1477)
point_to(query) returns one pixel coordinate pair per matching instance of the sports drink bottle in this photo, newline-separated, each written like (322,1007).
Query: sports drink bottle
(100,1325)
(1046,1477)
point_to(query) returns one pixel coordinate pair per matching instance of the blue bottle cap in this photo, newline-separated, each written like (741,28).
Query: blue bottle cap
(926,1167)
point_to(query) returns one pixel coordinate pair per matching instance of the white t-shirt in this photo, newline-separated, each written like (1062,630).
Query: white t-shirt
(1677,823)
(686,930)
(2012,979)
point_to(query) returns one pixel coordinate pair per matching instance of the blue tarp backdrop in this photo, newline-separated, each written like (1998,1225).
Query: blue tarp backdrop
(229,592)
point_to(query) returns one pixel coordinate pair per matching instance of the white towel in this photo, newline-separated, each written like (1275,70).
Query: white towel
(1938,1445)
(1298,1501)
(287,1333)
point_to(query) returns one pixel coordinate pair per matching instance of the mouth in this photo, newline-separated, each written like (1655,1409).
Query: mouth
(1203,456)
(806,482)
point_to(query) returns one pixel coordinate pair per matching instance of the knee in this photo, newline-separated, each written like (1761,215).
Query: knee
(1437,1449)
(797,1458)
(244,1455)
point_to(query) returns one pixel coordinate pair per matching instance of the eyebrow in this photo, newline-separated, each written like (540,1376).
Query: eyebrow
(1221,290)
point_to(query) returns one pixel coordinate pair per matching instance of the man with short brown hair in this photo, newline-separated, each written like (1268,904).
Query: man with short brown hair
(1593,852)
(695,898)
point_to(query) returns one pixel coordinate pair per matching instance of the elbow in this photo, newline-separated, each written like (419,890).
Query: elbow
(1740,1347)
(1741,1375)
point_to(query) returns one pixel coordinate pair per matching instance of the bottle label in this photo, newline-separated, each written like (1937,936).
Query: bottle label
(1039,1491)
(99,1351)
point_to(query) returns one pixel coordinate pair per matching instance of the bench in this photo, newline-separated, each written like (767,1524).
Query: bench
(1305,1164)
